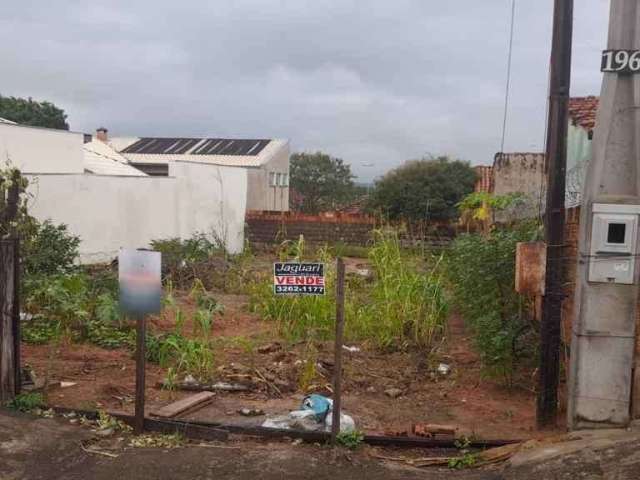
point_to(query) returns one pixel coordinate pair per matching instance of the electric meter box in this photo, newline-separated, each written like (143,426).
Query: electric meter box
(614,235)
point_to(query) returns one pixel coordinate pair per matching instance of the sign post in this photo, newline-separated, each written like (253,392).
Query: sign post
(337,368)
(140,294)
(308,279)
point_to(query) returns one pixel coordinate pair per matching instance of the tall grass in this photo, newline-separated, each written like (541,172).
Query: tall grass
(406,305)
(403,306)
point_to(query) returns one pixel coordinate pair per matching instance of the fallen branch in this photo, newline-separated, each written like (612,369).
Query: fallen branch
(98,452)
(269,384)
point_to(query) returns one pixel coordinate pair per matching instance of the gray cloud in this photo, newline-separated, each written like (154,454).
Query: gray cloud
(371,81)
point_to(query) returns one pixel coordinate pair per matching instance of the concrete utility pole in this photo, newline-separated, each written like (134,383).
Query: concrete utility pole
(603,334)
(556,156)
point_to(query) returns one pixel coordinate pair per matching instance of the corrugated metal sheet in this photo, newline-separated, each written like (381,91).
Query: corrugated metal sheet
(101,159)
(262,158)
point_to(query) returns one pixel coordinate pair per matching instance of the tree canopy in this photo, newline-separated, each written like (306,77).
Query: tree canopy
(34,113)
(320,181)
(429,188)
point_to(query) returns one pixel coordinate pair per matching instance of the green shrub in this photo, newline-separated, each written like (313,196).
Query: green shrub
(49,249)
(351,440)
(25,402)
(481,273)
(69,304)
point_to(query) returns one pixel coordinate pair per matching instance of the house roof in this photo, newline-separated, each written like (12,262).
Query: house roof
(582,112)
(101,159)
(217,151)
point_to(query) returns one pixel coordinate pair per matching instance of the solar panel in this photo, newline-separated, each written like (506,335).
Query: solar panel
(211,146)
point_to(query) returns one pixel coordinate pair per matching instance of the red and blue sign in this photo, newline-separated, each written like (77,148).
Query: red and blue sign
(298,278)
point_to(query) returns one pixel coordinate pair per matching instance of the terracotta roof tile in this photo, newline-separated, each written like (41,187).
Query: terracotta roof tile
(582,111)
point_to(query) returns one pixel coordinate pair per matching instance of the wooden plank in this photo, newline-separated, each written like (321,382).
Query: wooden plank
(188,403)
(7,313)
(531,259)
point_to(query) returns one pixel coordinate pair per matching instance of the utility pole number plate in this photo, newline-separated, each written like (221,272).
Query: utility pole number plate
(620,61)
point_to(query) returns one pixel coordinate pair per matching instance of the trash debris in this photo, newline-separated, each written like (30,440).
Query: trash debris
(104,432)
(190,379)
(157,440)
(363,272)
(270,348)
(251,412)
(393,392)
(443,369)
(319,405)
(67,384)
(314,415)
(351,349)
(202,387)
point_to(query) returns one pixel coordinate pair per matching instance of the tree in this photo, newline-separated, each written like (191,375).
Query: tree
(322,182)
(34,113)
(427,189)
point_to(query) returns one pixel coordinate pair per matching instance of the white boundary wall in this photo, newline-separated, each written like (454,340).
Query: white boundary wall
(41,150)
(110,212)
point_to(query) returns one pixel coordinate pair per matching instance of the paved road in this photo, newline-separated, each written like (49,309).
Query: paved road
(34,448)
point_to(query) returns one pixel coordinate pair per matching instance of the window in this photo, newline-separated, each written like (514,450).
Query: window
(278,178)
(272,179)
(616,233)
(284,180)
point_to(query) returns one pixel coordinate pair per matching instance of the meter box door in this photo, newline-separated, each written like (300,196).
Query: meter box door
(614,236)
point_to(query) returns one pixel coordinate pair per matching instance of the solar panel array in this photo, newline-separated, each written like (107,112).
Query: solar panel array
(204,146)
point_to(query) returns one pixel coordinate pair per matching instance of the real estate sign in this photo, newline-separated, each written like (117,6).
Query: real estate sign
(298,278)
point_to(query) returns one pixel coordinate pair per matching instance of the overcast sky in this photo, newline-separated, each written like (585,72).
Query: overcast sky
(375,82)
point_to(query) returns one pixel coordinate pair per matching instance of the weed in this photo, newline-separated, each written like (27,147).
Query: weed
(351,440)
(309,372)
(205,300)
(462,443)
(202,258)
(106,421)
(25,402)
(184,355)
(467,460)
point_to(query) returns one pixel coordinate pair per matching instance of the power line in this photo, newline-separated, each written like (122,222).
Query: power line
(508,86)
